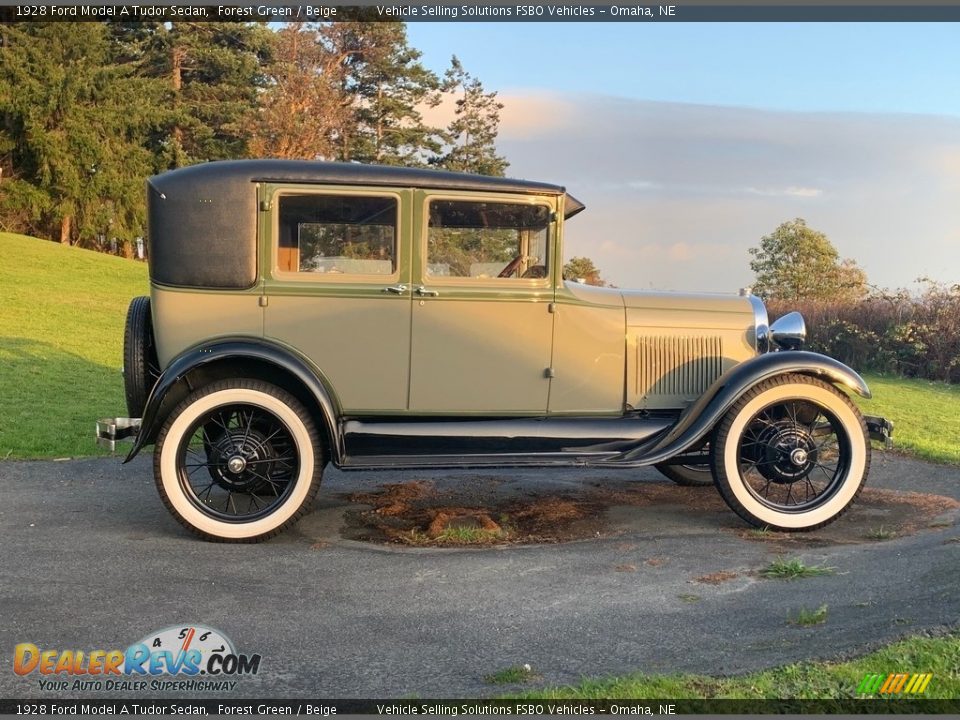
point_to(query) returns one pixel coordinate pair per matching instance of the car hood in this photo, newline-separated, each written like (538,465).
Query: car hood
(704,302)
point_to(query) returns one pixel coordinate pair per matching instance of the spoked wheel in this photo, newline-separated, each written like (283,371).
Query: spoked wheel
(698,475)
(791,454)
(238,460)
(250,433)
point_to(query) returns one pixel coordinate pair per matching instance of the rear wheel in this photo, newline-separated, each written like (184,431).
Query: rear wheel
(791,454)
(140,366)
(238,461)
(689,475)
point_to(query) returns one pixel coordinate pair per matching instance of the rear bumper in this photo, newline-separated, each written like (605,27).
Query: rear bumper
(880,429)
(110,431)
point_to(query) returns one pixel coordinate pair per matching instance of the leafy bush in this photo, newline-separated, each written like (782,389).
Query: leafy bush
(915,335)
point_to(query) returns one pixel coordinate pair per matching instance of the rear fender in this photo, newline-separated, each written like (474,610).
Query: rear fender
(173,384)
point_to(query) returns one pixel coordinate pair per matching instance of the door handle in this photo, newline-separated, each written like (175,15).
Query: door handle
(396,289)
(423,292)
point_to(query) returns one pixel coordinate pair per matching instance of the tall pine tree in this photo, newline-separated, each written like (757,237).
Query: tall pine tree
(213,72)
(473,132)
(391,86)
(73,117)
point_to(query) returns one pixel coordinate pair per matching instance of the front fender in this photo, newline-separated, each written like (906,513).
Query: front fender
(232,349)
(699,419)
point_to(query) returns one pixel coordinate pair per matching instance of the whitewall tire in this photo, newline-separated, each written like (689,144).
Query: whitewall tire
(791,454)
(238,461)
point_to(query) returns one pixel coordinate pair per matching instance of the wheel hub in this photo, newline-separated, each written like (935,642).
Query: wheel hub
(787,453)
(240,460)
(237,464)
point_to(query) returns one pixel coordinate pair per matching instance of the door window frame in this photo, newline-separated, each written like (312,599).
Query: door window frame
(273,250)
(489,283)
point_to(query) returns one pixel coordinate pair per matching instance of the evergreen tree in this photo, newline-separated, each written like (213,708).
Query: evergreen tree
(390,85)
(213,72)
(73,118)
(382,86)
(473,132)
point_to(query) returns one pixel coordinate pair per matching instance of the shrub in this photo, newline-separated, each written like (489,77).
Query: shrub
(916,335)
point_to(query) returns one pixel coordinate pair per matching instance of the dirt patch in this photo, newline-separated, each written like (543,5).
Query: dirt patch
(488,511)
(878,515)
(395,498)
(717,577)
(647,494)
(416,513)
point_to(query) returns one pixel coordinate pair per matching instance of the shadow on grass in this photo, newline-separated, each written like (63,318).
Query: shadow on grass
(51,400)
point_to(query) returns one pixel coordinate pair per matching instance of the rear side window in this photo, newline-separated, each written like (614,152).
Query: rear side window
(337,234)
(470,239)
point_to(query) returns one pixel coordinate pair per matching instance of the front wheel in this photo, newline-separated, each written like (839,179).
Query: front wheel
(256,475)
(791,454)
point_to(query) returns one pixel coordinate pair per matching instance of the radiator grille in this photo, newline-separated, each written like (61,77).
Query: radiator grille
(684,366)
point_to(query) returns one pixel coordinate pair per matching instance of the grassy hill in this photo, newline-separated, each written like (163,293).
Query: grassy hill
(62,311)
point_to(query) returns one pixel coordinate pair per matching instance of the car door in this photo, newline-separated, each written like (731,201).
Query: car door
(337,288)
(482,328)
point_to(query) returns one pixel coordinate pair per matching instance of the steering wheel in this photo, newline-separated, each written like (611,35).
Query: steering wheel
(511,267)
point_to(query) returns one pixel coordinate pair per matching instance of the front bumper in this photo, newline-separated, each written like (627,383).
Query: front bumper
(110,431)
(880,429)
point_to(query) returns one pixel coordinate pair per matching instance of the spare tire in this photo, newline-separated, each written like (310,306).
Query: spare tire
(140,366)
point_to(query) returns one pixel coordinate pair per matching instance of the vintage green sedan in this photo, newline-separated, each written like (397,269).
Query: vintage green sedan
(378,317)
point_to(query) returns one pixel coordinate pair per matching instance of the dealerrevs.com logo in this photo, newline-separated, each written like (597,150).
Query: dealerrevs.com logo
(187,657)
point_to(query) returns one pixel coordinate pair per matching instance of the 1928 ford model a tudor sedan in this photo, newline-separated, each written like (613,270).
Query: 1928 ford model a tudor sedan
(376,317)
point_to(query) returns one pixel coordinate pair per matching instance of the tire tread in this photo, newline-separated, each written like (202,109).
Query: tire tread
(139,356)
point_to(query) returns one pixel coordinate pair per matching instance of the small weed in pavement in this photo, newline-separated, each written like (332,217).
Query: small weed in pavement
(511,675)
(880,533)
(781,569)
(807,618)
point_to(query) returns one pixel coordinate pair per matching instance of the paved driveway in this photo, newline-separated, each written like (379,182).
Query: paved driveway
(91,560)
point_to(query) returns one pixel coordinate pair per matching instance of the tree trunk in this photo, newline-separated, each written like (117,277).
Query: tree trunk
(65,224)
(176,79)
(378,152)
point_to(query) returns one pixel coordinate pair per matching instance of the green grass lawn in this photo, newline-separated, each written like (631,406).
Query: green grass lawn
(62,311)
(926,413)
(806,681)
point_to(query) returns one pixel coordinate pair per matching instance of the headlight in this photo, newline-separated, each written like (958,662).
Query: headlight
(789,332)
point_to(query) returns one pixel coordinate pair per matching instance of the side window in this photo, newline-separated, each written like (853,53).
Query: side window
(469,239)
(337,234)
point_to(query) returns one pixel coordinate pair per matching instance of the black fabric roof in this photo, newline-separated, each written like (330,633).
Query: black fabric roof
(307,171)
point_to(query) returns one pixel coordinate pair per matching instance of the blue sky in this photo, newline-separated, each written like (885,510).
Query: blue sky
(688,142)
(884,67)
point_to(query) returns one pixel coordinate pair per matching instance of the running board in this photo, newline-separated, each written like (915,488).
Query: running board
(471,462)
(514,442)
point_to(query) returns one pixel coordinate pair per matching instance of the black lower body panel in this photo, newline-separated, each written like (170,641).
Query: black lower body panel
(503,442)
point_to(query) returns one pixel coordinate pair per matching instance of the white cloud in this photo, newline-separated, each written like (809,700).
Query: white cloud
(800,192)
(677,193)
